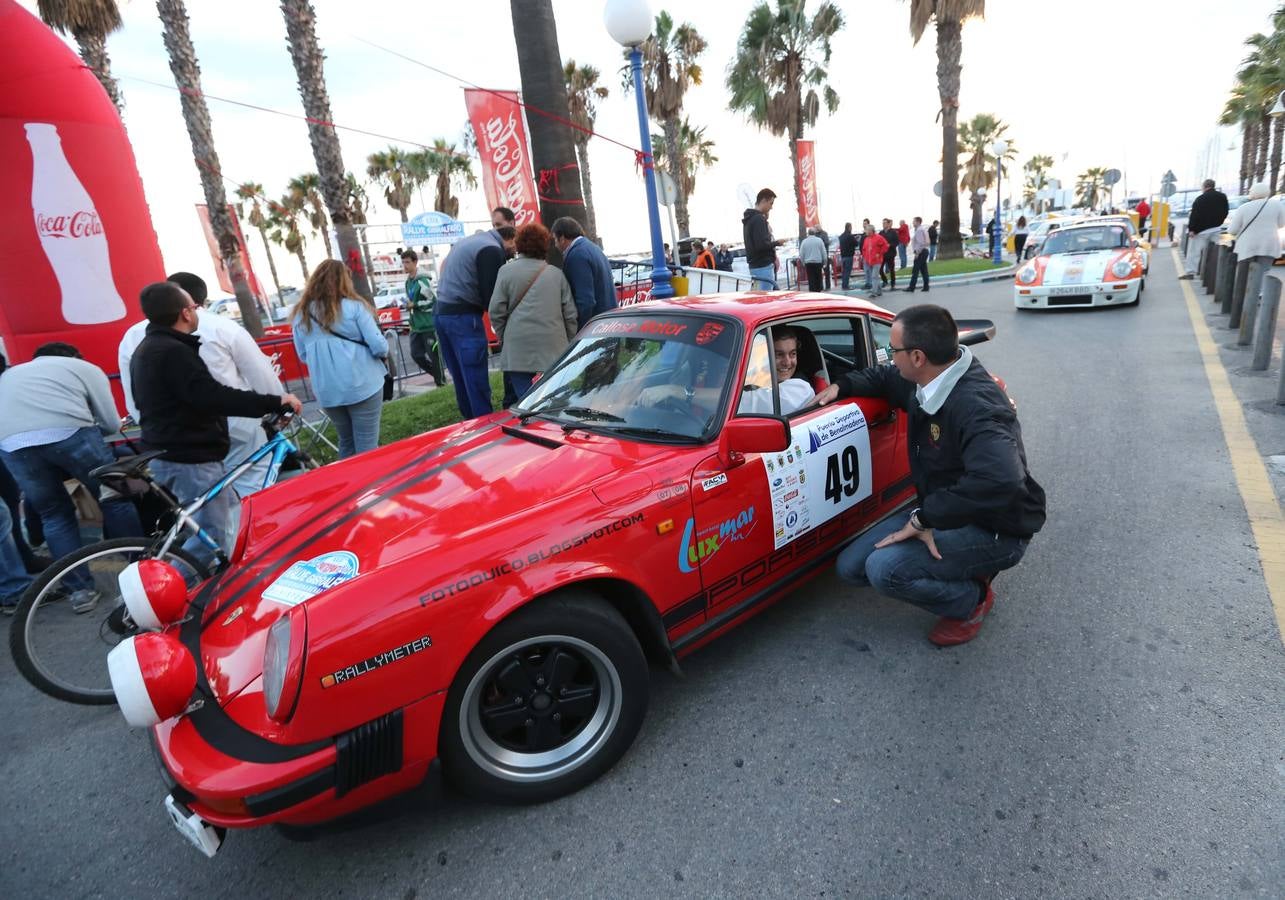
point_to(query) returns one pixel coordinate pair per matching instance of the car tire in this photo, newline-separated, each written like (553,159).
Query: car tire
(550,699)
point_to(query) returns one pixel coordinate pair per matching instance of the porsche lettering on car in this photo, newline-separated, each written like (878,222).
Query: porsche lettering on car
(1083,265)
(481,603)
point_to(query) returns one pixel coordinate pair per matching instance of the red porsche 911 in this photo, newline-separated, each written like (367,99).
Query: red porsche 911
(485,600)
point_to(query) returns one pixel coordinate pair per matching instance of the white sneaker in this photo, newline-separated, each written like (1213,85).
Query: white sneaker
(83,601)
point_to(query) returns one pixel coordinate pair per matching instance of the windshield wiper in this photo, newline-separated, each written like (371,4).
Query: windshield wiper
(584,412)
(662,433)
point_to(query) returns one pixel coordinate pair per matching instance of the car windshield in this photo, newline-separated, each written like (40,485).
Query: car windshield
(1086,240)
(681,362)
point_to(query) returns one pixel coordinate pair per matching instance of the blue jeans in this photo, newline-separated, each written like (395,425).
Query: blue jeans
(907,571)
(357,424)
(521,382)
(901,252)
(187,481)
(40,472)
(932,252)
(462,340)
(764,278)
(873,284)
(845,272)
(13,574)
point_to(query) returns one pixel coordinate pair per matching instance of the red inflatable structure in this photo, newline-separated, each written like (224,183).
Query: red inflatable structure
(76,237)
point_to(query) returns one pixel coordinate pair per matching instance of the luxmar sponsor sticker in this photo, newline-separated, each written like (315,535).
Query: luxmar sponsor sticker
(309,577)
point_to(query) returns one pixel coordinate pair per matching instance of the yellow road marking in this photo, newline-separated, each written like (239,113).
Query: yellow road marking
(1246,462)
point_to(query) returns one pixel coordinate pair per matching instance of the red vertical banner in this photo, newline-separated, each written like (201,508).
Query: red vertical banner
(507,176)
(225,281)
(809,209)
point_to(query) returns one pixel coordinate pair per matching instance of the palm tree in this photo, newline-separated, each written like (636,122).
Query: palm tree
(950,16)
(250,207)
(89,22)
(694,152)
(187,76)
(1036,170)
(309,66)
(781,60)
(284,216)
(1239,111)
(307,188)
(976,137)
(553,146)
(669,69)
(1091,185)
(358,206)
(392,170)
(583,94)
(448,167)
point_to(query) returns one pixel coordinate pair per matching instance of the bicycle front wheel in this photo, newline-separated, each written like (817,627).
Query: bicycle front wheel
(64,653)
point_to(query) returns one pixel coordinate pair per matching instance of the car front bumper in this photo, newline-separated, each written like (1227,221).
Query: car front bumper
(1110,293)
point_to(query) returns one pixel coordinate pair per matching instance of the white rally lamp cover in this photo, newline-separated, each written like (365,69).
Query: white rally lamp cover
(154,593)
(629,22)
(153,677)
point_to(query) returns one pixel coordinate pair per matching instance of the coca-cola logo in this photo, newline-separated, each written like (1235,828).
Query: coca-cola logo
(84,223)
(508,161)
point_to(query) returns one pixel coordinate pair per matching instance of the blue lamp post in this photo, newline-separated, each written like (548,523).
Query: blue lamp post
(629,22)
(999,148)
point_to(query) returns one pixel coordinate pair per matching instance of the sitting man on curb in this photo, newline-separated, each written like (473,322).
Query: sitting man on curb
(978,504)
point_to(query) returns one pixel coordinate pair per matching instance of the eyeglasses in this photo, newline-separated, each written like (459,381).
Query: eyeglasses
(892,349)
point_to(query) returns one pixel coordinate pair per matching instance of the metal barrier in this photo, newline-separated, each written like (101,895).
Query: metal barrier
(1238,292)
(716,281)
(1226,277)
(1211,267)
(1265,331)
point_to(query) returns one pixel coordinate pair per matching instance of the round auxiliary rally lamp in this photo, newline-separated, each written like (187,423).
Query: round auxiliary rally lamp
(154,593)
(153,677)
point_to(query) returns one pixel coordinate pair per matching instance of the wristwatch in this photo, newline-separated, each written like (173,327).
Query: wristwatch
(914,520)
(689,392)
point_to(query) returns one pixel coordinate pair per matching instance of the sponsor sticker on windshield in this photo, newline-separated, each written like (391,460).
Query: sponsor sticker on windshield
(309,577)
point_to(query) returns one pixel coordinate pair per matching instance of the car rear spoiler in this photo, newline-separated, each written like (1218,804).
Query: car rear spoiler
(975,331)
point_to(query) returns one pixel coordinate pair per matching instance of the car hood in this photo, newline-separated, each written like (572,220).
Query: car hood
(1078,268)
(317,532)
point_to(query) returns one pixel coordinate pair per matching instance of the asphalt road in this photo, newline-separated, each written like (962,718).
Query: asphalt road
(1116,731)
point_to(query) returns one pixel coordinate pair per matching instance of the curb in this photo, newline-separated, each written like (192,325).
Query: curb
(1003,273)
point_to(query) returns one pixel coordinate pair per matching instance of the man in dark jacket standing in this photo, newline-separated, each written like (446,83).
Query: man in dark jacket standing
(978,505)
(586,268)
(1208,212)
(888,271)
(847,250)
(760,247)
(184,411)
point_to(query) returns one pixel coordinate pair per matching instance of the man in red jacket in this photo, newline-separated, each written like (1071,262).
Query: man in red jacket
(1144,210)
(903,238)
(873,249)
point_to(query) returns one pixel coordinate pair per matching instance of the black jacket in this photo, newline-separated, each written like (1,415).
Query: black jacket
(759,248)
(890,235)
(182,409)
(967,460)
(847,244)
(1209,210)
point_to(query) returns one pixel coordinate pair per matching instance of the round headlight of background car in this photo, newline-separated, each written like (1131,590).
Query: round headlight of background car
(1122,267)
(1027,274)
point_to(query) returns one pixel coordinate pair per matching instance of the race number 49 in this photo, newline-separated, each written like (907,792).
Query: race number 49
(842,475)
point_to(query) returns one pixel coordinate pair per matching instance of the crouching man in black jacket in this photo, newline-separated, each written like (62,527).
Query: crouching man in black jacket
(184,411)
(978,505)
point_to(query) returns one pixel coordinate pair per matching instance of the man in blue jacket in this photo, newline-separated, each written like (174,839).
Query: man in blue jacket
(586,269)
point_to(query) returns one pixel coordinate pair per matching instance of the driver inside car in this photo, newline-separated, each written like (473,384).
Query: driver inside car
(756,397)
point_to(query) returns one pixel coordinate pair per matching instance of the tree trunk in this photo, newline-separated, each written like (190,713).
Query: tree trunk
(1278,131)
(1246,155)
(544,87)
(1260,169)
(675,168)
(319,223)
(93,50)
(402,210)
(949,49)
(798,181)
(975,204)
(303,263)
(187,76)
(272,263)
(586,188)
(309,66)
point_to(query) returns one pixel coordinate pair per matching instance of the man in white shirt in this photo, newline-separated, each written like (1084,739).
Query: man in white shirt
(234,359)
(919,247)
(813,253)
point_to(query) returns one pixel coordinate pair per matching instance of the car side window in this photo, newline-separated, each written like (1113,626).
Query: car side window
(757,396)
(839,337)
(881,340)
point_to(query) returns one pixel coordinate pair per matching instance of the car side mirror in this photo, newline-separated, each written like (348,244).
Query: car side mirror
(751,434)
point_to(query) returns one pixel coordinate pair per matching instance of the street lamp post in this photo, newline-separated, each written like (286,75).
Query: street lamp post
(629,22)
(999,148)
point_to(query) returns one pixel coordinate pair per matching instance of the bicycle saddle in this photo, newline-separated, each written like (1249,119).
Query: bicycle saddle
(127,467)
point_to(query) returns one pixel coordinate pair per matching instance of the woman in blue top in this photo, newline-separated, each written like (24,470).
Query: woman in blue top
(338,339)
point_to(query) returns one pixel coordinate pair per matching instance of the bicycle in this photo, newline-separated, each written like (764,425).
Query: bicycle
(64,654)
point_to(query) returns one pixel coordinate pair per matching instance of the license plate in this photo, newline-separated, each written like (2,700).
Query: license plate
(1070,289)
(200,834)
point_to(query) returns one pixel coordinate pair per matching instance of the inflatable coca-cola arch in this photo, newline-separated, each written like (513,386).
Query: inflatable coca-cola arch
(76,238)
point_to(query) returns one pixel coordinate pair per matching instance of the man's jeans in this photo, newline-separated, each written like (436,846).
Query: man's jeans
(907,571)
(462,340)
(845,272)
(932,252)
(357,424)
(423,349)
(13,574)
(1196,245)
(921,266)
(873,283)
(187,481)
(901,252)
(40,472)
(764,278)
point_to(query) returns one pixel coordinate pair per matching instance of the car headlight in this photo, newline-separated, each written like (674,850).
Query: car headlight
(1122,267)
(1027,274)
(283,664)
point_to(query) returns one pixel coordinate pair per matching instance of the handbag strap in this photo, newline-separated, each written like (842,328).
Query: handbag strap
(521,296)
(342,337)
(1256,215)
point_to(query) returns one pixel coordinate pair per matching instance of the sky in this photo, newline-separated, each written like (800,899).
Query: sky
(1136,85)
